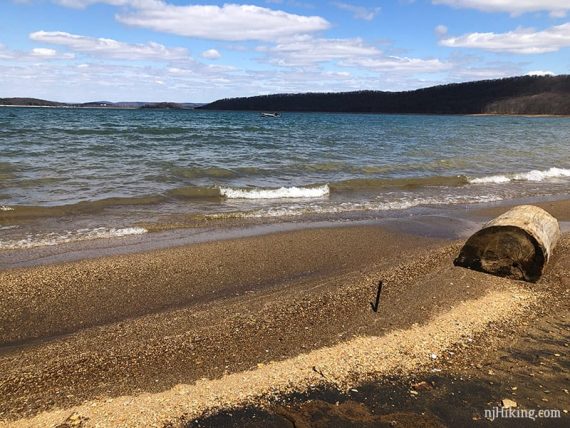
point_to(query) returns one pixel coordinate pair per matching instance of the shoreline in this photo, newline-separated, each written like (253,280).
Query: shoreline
(296,111)
(447,221)
(176,320)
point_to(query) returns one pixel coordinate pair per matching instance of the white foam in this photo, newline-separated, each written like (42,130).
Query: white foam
(55,238)
(307,209)
(282,192)
(498,179)
(534,175)
(5,208)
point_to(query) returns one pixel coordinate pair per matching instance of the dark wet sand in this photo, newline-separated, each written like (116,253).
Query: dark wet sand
(559,209)
(124,325)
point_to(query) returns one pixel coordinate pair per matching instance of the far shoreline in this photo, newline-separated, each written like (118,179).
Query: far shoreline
(530,116)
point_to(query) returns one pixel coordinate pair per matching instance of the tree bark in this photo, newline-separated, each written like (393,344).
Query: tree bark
(517,244)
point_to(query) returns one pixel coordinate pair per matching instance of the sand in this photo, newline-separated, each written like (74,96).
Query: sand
(150,338)
(559,209)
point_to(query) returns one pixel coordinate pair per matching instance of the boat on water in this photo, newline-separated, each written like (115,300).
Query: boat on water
(274,114)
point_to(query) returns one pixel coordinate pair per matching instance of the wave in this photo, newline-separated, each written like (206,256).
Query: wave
(198,172)
(215,172)
(53,238)
(299,210)
(407,182)
(194,192)
(282,192)
(534,175)
(24,212)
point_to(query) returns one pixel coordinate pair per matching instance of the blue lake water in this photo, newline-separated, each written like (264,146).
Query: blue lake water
(85,173)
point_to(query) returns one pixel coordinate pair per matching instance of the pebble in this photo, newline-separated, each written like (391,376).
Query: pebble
(508,403)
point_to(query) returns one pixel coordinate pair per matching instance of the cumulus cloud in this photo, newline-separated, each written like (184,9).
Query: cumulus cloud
(35,54)
(359,12)
(211,54)
(44,52)
(556,8)
(110,48)
(306,50)
(400,64)
(519,41)
(231,22)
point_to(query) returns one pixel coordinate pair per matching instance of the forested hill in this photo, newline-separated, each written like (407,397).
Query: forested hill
(533,95)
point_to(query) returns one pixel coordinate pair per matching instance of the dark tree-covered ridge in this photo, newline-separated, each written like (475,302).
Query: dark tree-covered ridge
(548,95)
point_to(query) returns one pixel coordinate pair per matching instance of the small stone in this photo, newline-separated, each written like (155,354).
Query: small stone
(514,388)
(412,392)
(422,386)
(508,403)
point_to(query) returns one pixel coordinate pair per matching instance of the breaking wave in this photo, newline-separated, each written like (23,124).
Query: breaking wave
(56,238)
(281,193)
(299,210)
(534,175)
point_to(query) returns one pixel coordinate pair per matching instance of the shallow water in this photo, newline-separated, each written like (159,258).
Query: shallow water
(72,174)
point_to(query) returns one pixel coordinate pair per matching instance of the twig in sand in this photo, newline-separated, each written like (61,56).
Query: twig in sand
(377,301)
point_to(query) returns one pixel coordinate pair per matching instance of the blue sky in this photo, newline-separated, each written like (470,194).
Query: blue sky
(199,51)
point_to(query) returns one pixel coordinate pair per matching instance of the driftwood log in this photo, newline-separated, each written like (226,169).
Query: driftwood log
(517,244)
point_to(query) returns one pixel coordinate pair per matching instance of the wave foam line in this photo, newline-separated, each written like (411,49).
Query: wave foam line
(54,238)
(534,175)
(282,192)
(346,207)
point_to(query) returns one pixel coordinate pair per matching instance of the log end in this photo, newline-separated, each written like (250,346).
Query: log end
(516,245)
(505,251)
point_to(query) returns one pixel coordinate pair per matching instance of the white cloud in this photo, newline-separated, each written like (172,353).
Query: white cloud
(519,41)
(211,54)
(229,22)
(306,50)
(110,48)
(540,73)
(36,54)
(556,8)
(44,52)
(359,12)
(400,64)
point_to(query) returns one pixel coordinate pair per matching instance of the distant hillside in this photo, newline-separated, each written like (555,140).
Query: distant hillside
(514,95)
(35,102)
(163,106)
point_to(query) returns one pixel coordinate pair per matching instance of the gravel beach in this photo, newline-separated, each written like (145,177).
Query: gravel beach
(166,336)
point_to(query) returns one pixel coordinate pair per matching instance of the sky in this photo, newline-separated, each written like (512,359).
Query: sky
(200,51)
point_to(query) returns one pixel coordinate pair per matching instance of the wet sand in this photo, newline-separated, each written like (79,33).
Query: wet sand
(169,335)
(559,209)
